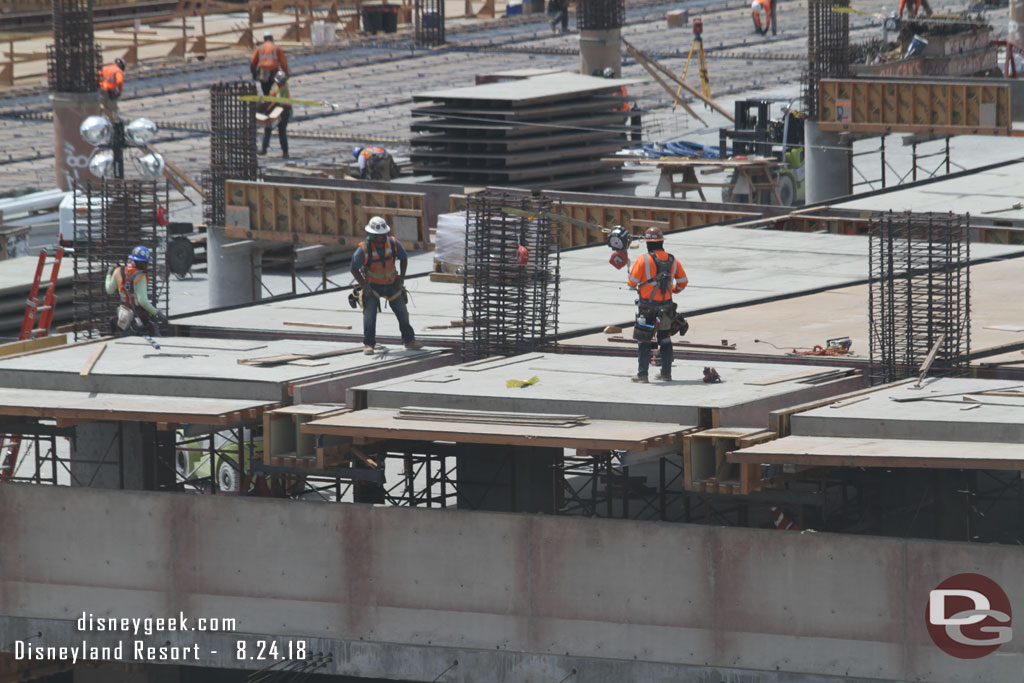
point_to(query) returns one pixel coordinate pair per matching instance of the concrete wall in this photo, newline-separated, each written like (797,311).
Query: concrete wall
(404,593)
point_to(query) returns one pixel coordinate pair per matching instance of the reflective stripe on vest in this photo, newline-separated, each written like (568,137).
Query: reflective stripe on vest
(378,271)
(126,279)
(372,151)
(268,57)
(654,294)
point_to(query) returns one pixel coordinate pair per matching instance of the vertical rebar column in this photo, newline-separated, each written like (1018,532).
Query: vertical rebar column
(509,307)
(919,291)
(429,22)
(828,47)
(232,145)
(74,59)
(115,216)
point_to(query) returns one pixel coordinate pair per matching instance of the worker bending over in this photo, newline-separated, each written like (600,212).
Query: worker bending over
(375,163)
(266,60)
(135,314)
(112,82)
(656,276)
(282,121)
(373,267)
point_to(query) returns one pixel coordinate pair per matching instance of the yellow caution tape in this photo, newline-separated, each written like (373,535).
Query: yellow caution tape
(519,384)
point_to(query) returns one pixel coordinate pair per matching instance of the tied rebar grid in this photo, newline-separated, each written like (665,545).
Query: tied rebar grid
(597,15)
(429,22)
(74,60)
(508,307)
(232,145)
(828,47)
(919,290)
(115,216)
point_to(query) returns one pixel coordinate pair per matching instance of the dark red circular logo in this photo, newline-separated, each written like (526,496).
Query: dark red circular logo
(968,616)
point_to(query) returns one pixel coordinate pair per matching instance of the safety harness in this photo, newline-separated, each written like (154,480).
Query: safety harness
(662,280)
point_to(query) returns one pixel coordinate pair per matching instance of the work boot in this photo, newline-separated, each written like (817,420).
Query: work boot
(640,379)
(262,151)
(414,344)
(368,350)
(663,377)
(284,155)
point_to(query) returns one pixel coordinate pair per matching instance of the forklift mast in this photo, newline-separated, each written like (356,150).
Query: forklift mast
(756,135)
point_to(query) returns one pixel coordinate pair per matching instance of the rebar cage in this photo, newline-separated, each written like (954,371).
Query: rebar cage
(919,291)
(74,60)
(429,22)
(232,145)
(828,47)
(597,15)
(509,307)
(112,217)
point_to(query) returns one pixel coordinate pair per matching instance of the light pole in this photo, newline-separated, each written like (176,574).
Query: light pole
(110,139)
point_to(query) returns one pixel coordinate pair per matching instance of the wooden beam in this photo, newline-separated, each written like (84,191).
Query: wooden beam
(97,352)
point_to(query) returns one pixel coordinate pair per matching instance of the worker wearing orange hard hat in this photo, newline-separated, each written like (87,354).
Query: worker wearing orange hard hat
(656,276)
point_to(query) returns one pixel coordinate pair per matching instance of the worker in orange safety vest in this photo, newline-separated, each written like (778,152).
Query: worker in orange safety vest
(266,61)
(761,10)
(111,79)
(656,276)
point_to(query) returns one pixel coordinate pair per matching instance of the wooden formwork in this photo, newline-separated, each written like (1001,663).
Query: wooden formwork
(635,218)
(285,445)
(861,105)
(311,214)
(705,467)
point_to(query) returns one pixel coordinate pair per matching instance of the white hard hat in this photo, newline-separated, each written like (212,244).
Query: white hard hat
(378,226)
(268,36)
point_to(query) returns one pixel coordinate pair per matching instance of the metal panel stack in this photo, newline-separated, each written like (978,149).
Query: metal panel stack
(509,306)
(112,217)
(920,291)
(232,145)
(549,131)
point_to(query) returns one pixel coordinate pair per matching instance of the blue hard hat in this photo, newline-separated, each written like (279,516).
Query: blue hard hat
(356,151)
(140,254)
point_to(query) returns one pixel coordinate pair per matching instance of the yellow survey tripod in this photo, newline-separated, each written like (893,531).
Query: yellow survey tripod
(705,80)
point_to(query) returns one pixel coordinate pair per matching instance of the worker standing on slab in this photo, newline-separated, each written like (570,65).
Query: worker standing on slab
(266,61)
(135,314)
(282,119)
(111,80)
(373,267)
(656,276)
(375,163)
(558,13)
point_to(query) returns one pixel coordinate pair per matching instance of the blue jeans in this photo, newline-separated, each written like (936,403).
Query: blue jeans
(370,314)
(664,347)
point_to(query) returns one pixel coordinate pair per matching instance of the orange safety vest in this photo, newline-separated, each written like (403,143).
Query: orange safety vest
(625,105)
(766,5)
(126,278)
(643,272)
(376,270)
(372,151)
(111,78)
(268,56)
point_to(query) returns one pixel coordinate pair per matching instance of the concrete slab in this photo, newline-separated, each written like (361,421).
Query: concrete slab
(600,389)
(947,409)
(726,267)
(207,368)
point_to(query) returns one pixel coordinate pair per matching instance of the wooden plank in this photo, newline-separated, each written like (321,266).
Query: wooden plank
(324,325)
(37,344)
(97,352)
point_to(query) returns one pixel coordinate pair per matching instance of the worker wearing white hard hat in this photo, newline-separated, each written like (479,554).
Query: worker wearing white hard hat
(378,265)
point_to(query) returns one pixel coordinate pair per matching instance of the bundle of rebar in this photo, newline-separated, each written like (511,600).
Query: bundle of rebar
(232,145)
(828,47)
(510,298)
(112,217)
(429,22)
(919,294)
(597,15)
(74,60)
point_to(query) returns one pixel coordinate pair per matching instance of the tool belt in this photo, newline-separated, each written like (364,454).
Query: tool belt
(658,317)
(357,297)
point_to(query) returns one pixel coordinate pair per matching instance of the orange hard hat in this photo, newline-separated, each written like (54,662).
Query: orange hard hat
(654,235)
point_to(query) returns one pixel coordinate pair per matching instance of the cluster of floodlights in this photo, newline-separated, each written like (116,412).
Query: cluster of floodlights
(110,139)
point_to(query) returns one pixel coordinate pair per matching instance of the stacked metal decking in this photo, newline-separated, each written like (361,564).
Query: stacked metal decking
(548,131)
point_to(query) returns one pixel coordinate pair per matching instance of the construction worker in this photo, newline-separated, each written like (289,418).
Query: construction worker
(135,314)
(111,80)
(373,267)
(656,276)
(281,79)
(266,61)
(375,163)
(558,12)
(761,10)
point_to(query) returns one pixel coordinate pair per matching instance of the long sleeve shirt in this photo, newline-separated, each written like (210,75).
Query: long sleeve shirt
(141,291)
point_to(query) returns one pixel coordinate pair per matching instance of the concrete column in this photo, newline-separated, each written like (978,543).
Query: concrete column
(71,152)
(106,457)
(600,49)
(508,478)
(234,269)
(827,164)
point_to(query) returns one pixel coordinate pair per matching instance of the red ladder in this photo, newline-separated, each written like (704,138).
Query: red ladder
(38,319)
